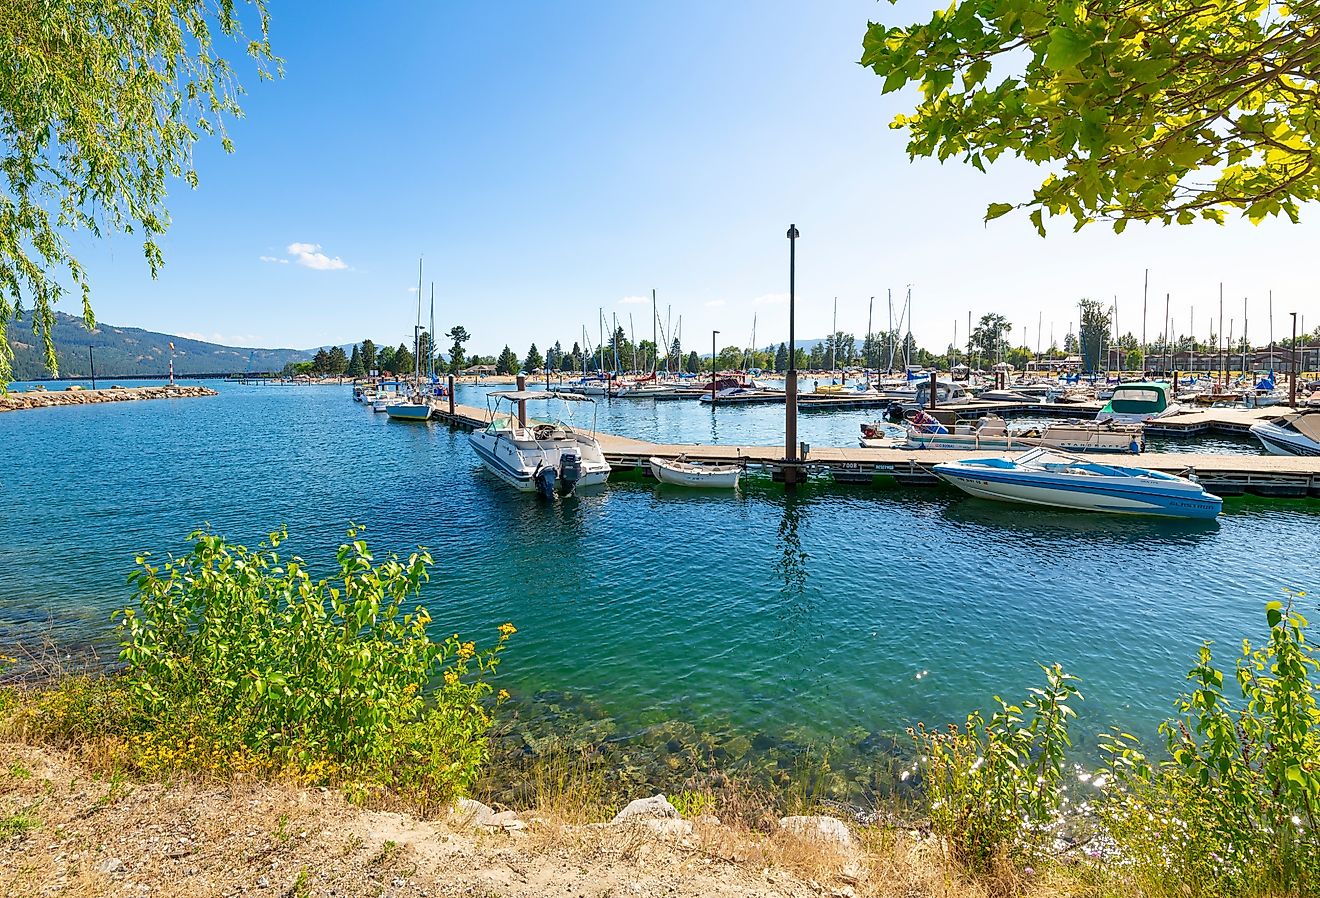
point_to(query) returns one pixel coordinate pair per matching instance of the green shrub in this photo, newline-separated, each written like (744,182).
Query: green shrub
(238,659)
(1233,808)
(994,787)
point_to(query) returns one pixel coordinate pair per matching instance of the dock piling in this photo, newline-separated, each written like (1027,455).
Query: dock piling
(522,403)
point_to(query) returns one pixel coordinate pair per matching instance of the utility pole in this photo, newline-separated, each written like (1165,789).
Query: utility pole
(790,379)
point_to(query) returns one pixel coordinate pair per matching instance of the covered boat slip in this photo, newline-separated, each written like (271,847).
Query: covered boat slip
(1223,475)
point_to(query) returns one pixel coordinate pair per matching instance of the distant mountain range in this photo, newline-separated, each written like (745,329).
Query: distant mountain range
(129,351)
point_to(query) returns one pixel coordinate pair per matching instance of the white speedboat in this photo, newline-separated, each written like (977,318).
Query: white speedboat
(1297,434)
(552,458)
(681,472)
(1048,477)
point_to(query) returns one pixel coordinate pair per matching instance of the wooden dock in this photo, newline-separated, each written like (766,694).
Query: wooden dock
(1223,475)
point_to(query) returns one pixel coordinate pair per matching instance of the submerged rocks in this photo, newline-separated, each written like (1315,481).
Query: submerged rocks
(827,830)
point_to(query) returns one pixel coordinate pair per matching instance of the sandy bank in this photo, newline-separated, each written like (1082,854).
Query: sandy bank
(68,831)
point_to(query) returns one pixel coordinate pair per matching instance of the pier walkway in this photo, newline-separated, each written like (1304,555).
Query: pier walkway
(1223,475)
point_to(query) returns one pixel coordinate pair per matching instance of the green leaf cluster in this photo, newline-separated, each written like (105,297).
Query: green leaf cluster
(101,104)
(995,786)
(1154,110)
(1233,808)
(239,659)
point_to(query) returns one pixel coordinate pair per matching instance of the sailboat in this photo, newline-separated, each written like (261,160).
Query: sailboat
(416,408)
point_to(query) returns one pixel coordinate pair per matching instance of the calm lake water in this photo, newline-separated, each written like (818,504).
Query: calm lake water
(841,609)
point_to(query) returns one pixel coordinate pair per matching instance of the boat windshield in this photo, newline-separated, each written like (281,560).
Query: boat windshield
(1136,399)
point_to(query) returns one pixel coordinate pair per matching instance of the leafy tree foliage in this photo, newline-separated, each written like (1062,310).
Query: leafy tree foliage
(1094,332)
(101,103)
(368,355)
(1143,111)
(507,363)
(731,358)
(990,338)
(385,360)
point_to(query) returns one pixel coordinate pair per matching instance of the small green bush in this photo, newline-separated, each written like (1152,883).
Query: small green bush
(1232,810)
(994,787)
(238,659)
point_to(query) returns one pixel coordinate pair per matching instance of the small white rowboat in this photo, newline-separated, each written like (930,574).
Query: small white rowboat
(685,473)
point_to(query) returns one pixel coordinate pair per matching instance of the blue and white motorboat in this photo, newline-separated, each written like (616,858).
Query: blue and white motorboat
(1296,434)
(1049,477)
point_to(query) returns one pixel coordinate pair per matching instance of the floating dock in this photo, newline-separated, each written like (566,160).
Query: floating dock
(1223,475)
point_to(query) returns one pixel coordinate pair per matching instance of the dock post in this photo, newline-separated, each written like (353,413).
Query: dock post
(451,395)
(790,376)
(1175,381)
(933,383)
(522,403)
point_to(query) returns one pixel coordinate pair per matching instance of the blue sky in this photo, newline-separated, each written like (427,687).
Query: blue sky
(549,160)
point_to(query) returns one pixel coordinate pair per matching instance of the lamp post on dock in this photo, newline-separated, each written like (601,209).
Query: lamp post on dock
(712,368)
(790,377)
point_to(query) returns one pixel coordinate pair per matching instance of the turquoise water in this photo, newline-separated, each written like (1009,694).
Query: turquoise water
(841,609)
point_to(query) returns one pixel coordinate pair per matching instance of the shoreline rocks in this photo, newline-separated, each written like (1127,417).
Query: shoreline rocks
(42,398)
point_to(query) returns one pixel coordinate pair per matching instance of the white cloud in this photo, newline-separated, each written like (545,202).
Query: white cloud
(274,259)
(414,290)
(633,301)
(715,303)
(771,299)
(309,255)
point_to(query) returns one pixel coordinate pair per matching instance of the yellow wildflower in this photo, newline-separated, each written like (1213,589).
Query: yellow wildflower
(507,630)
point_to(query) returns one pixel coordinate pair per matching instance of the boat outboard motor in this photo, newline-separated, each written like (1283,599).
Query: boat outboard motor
(570,470)
(545,478)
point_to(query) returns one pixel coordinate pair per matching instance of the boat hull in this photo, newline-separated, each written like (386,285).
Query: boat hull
(1120,497)
(717,477)
(409,412)
(1281,441)
(1073,441)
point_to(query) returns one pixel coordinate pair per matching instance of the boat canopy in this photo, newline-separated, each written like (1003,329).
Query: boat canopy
(1307,424)
(1132,398)
(528,395)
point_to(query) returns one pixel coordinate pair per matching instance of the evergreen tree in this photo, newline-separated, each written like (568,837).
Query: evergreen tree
(533,360)
(781,358)
(507,363)
(816,361)
(403,360)
(576,356)
(675,356)
(385,360)
(355,368)
(459,335)
(553,356)
(321,362)
(368,356)
(693,362)
(336,361)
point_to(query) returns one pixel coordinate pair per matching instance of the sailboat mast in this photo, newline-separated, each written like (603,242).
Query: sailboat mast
(601,366)
(870,340)
(889,336)
(430,339)
(1144,287)
(834,334)
(417,331)
(655,337)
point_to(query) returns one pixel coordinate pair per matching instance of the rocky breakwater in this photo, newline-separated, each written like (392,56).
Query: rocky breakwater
(12,402)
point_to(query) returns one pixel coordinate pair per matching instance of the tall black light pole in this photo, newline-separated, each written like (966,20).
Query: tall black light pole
(1292,386)
(712,368)
(790,378)
(91,362)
